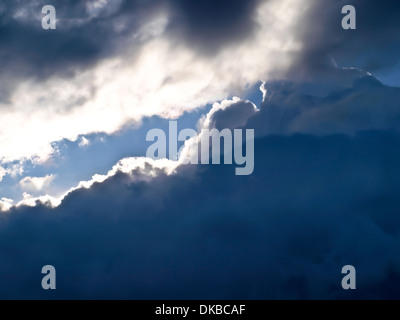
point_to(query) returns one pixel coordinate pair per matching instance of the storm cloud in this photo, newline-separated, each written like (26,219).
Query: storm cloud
(289,108)
(89,31)
(373,46)
(313,204)
(325,189)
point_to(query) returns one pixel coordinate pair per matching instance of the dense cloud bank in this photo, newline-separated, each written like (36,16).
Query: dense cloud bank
(207,25)
(313,204)
(366,104)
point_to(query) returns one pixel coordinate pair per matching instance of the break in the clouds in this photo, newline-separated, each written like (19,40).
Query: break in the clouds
(109,64)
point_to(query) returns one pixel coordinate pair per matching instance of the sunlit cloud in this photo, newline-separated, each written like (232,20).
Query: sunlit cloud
(151,76)
(35,184)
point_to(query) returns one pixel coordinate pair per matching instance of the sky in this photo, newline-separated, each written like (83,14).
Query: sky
(78,191)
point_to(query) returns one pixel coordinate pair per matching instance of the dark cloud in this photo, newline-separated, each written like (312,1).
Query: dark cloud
(365,105)
(373,46)
(312,205)
(85,36)
(81,38)
(211,24)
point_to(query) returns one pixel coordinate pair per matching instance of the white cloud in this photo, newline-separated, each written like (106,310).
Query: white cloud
(6,204)
(84,142)
(3,173)
(138,169)
(236,113)
(36,184)
(13,170)
(31,201)
(208,121)
(162,78)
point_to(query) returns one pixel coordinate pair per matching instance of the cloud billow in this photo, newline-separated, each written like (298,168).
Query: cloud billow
(367,104)
(324,192)
(112,63)
(313,204)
